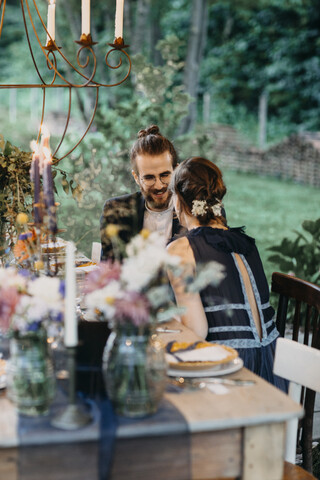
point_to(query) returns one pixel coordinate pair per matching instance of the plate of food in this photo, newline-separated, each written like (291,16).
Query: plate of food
(200,355)
(216,371)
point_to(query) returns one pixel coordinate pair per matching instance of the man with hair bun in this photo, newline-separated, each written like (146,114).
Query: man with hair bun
(153,160)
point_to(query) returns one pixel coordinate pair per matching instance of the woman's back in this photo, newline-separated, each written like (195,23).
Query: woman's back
(237,309)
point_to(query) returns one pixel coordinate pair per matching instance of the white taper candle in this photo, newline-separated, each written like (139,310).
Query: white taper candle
(85,17)
(51,20)
(70,318)
(119,19)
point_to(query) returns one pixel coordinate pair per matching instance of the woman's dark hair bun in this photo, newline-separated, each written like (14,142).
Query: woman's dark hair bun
(152,130)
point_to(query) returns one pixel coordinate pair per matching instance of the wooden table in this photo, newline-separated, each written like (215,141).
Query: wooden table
(238,434)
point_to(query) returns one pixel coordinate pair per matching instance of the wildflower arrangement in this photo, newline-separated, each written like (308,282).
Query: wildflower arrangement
(28,303)
(26,249)
(137,290)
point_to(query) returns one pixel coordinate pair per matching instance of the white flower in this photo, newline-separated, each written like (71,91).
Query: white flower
(217,209)
(10,278)
(46,289)
(104,298)
(30,308)
(147,258)
(211,273)
(199,207)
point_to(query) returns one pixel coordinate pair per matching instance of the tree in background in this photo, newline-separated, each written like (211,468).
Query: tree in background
(266,49)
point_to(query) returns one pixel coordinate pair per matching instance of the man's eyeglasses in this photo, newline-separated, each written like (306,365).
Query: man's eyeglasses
(150,180)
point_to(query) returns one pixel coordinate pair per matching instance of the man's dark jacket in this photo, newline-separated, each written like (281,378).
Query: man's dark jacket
(127,212)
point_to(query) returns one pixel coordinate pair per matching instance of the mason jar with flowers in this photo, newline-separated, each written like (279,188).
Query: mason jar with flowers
(133,297)
(30,308)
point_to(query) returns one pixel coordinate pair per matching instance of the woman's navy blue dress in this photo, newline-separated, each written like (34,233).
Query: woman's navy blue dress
(226,305)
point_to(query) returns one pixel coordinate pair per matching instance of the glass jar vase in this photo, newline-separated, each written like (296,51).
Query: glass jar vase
(134,370)
(30,373)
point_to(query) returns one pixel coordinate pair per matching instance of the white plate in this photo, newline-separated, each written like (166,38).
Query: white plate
(217,371)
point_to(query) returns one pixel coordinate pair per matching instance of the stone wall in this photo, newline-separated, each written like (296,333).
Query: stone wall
(296,158)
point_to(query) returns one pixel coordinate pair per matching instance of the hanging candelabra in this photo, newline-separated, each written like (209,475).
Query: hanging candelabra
(52,52)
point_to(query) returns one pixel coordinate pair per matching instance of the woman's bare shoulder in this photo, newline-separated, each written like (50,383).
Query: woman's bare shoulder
(178,244)
(181,248)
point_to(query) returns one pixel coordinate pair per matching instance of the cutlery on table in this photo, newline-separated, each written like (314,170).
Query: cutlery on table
(167,330)
(202,382)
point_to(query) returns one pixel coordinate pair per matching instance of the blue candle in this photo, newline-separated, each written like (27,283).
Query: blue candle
(35,177)
(48,191)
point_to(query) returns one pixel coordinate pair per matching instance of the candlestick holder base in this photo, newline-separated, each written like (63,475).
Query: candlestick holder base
(71,418)
(118,44)
(51,46)
(85,40)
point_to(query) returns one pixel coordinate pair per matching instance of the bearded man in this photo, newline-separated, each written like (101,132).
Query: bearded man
(153,159)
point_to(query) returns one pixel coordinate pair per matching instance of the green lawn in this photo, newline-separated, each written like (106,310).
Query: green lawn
(271,209)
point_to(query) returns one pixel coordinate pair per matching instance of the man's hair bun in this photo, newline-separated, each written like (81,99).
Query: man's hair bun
(152,130)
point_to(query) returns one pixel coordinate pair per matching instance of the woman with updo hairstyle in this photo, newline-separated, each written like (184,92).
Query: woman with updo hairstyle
(235,310)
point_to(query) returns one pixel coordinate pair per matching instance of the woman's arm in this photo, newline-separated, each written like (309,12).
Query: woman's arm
(194,316)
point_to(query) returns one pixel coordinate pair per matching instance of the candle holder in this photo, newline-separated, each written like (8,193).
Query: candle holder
(73,416)
(59,71)
(51,46)
(118,44)
(85,40)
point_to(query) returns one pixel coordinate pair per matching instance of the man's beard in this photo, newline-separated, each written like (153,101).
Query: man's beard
(152,202)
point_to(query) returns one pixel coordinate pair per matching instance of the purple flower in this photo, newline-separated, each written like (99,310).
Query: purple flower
(24,272)
(99,278)
(24,236)
(34,326)
(133,307)
(62,288)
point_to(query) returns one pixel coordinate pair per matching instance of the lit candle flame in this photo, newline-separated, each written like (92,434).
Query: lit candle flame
(47,154)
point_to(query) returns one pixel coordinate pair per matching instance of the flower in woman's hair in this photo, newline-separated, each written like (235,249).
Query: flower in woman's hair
(217,209)
(99,278)
(134,306)
(199,207)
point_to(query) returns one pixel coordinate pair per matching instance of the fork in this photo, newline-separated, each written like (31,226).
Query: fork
(202,382)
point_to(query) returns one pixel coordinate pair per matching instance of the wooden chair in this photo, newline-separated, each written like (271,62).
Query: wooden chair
(302,299)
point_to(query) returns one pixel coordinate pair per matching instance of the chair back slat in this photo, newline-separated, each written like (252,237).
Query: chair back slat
(296,322)
(282,314)
(307,324)
(316,329)
(298,363)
